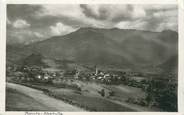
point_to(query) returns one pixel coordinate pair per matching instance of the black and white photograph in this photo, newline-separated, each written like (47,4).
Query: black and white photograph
(92,57)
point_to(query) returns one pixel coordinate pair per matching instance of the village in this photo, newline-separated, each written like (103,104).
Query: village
(39,78)
(38,74)
(41,75)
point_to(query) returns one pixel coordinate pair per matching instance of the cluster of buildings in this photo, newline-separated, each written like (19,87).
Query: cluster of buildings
(38,74)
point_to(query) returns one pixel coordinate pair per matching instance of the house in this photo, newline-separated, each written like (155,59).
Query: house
(69,74)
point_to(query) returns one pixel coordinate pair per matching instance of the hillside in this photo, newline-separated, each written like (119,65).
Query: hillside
(108,47)
(34,59)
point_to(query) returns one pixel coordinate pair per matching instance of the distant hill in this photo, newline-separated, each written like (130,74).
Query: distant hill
(114,47)
(15,53)
(170,65)
(34,59)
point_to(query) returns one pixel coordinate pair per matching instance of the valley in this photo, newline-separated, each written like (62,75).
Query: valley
(94,69)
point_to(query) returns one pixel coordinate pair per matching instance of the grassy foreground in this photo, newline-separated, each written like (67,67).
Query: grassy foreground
(16,101)
(83,99)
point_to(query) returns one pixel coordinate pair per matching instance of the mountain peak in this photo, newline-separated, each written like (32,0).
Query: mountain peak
(112,47)
(88,29)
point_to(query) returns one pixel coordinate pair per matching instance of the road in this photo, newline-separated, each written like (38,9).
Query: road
(39,97)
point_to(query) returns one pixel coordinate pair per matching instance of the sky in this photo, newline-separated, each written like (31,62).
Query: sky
(31,23)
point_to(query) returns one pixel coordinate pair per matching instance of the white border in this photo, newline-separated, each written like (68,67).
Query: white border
(2,54)
(90,1)
(103,113)
(181,58)
(181,52)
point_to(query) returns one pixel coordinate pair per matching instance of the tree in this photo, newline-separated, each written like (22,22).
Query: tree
(164,94)
(167,98)
(102,92)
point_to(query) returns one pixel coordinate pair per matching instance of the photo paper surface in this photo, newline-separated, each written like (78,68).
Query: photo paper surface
(92,57)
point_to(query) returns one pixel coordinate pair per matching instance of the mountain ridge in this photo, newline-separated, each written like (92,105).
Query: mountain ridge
(121,48)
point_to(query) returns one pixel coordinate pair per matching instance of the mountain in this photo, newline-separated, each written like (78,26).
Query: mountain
(120,48)
(170,65)
(34,59)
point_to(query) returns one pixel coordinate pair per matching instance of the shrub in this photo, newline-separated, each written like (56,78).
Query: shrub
(111,93)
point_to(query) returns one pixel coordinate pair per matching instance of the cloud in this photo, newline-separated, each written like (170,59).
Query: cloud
(20,23)
(108,15)
(94,11)
(150,24)
(38,35)
(44,21)
(158,8)
(23,11)
(138,24)
(138,12)
(61,29)
(69,14)
(23,36)
(154,18)
(113,12)
(68,10)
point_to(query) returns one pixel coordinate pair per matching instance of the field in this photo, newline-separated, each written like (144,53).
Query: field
(17,101)
(34,100)
(89,98)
